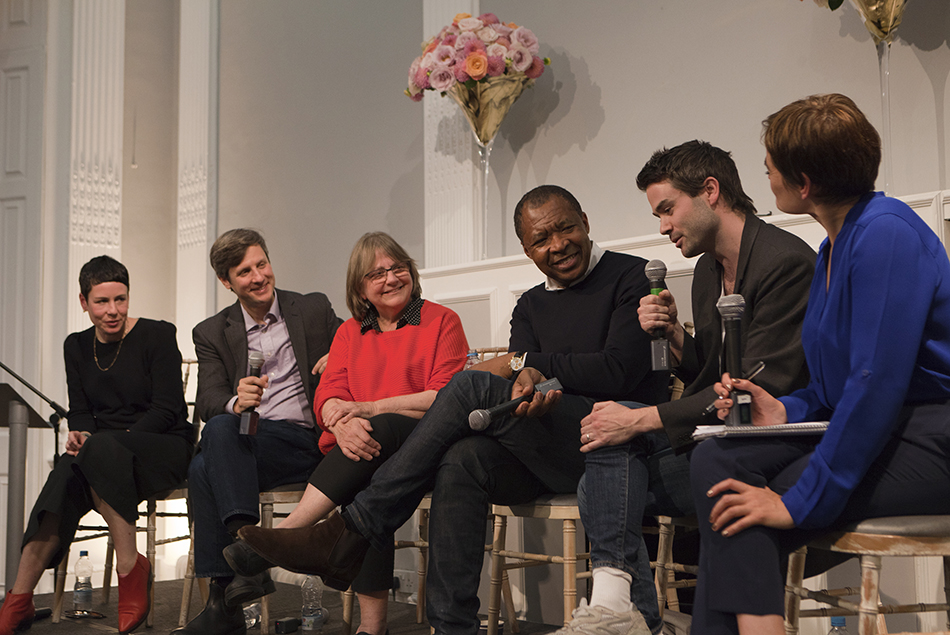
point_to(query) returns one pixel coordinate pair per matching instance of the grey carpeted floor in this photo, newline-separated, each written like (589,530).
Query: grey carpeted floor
(284,603)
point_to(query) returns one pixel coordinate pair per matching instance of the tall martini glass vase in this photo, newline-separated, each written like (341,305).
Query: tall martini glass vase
(485,104)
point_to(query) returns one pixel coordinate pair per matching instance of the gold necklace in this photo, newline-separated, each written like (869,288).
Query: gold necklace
(96,357)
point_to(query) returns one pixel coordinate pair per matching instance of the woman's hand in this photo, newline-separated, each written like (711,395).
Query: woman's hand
(352,435)
(337,410)
(742,506)
(75,440)
(766,409)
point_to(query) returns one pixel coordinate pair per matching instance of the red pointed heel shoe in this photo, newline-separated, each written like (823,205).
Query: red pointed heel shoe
(17,612)
(134,595)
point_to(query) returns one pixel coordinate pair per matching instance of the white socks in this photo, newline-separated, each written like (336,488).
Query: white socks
(611,589)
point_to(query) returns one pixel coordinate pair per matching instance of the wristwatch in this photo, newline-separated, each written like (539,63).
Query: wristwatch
(517,362)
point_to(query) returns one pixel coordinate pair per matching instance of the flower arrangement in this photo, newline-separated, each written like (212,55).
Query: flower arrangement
(472,50)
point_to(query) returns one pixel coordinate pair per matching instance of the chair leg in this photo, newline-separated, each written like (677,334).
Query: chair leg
(267,521)
(569,536)
(664,555)
(497,570)
(423,566)
(946,584)
(189,584)
(347,612)
(107,571)
(509,603)
(870,585)
(60,588)
(150,531)
(796,572)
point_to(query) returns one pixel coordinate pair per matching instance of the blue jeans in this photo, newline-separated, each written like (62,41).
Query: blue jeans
(621,484)
(513,460)
(229,472)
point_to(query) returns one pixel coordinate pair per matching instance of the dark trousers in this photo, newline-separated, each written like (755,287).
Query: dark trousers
(229,472)
(513,460)
(744,573)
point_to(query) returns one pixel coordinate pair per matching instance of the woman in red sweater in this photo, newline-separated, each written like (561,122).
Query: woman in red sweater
(386,364)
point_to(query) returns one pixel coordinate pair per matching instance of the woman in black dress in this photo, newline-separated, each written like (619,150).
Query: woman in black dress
(129,439)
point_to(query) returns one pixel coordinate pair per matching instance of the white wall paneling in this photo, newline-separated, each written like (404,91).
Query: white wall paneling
(95,196)
(197,165)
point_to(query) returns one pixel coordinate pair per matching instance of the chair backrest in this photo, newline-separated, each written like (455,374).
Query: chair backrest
(491,352)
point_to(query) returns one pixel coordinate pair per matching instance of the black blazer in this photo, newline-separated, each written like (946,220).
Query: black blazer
(221,346)
(774,276)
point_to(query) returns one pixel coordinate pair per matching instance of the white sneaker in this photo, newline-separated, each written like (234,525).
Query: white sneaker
(597,620)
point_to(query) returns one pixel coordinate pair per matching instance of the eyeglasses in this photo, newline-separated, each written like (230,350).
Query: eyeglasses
(378,275)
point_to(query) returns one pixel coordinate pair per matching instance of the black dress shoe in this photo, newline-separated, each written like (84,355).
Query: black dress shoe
(216,618)
(327,549)
(244,560)
(246,588)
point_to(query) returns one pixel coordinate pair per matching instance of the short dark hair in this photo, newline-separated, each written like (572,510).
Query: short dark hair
(101,269)
(688,165)
(229,249)
(362,261)
(828,138)
(538,197)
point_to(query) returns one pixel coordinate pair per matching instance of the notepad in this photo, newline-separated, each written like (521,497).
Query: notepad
(783,429)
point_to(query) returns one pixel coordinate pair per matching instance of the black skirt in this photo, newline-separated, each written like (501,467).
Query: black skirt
(122,467)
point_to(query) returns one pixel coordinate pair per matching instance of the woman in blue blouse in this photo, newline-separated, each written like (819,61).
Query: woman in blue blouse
(877,340)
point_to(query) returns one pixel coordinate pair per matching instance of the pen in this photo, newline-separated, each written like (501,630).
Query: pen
(749,377)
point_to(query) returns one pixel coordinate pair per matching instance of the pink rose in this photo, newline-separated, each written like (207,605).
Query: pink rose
(495,50)
(503,30)
(412,90)
(503,41)
(444,54)
(496,66)
(489,18)
(520,58)
(460,73)
(421,79)
(537,67)
(463,39)
(487,34)
(429,45)
(428,61)
(476,65)
(414,68)
(470,24)
(450,40)
(441,78)
(473,46)
(525,38)
(416,97)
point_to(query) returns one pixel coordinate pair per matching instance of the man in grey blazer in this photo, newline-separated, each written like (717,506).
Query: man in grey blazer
(293,333)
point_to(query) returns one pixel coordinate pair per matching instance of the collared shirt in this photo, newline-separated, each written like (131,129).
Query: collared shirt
(284,398)
(412,314)
(550,284)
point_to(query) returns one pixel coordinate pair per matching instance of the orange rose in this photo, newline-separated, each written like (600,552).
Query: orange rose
(460,16)
(476,65)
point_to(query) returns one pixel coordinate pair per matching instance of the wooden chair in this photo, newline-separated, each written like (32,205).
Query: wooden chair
(665,568)
(561,507)
(870,539)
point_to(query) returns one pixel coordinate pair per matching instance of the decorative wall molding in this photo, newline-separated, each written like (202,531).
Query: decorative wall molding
(95,191)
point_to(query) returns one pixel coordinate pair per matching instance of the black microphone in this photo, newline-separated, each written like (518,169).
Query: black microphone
(660,346)
(250,417)
(478,420)
(731,308)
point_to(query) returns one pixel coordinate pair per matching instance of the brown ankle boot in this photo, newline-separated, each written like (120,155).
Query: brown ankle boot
(17,613)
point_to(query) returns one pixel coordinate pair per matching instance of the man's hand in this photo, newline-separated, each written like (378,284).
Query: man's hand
(539,404)
(321,365)
(249,393)
(766,409)
(336,410)
(75,440)
(659,312)
(352,435)
(610,423)
(742,506)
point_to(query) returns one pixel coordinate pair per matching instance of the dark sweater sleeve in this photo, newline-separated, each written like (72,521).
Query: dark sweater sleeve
(80,417)
(164,373)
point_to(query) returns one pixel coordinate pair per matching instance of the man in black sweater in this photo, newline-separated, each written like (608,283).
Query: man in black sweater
(580,326)
(694,190)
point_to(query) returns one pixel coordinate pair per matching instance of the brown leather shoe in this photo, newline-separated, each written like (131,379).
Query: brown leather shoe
(327,549)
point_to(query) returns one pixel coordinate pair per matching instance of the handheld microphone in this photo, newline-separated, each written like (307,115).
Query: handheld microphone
(655,271)
(478,420)
(731,308)
(250,417)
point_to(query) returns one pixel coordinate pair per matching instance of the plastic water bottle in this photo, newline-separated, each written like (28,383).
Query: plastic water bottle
(252,615)
(837,626)
(312,614)
(82,592)
(471,359)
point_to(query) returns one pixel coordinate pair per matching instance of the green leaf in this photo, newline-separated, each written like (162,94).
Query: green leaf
(834,4)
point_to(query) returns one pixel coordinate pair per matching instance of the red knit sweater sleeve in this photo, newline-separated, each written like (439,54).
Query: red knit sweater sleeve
(406,361)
